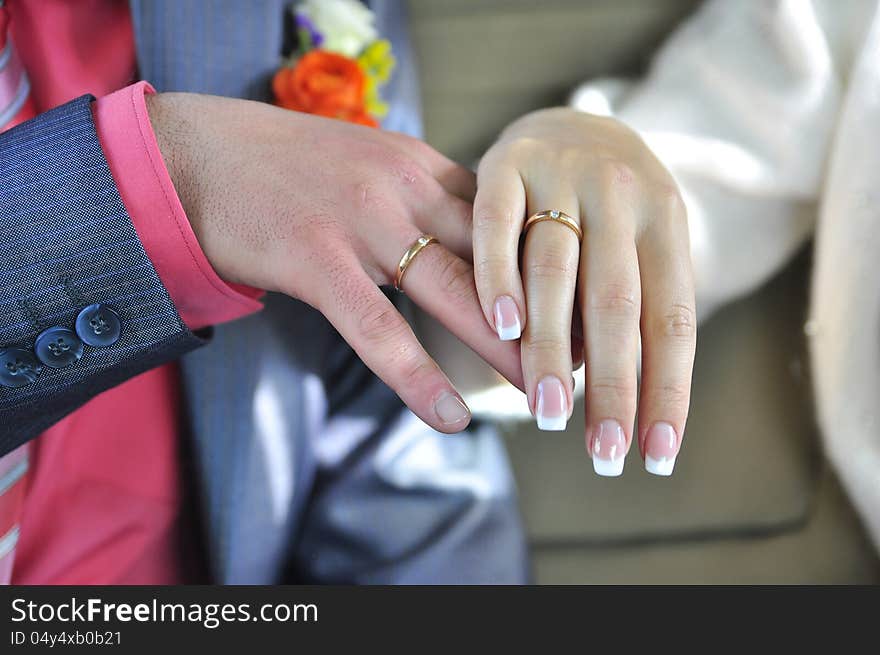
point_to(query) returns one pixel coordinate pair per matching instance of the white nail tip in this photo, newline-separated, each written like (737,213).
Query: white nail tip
(609,468)
(551,423)
(510,333)
(662,466)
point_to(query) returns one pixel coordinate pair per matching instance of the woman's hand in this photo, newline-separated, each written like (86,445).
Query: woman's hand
(631,276)
(323,211)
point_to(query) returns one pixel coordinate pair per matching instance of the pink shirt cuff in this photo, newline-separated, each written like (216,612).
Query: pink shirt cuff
(145,187)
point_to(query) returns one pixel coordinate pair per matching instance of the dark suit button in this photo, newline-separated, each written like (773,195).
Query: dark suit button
(58,347)
(98,326)
(18,367)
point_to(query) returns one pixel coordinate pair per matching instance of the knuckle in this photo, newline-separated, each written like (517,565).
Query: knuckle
(489,218)
(417,371)
(388,167)
(366,196)
(456,278)
(616,174)
(549,270)
(523,147)
(679,322)
(619,388)
(617,298)
(673,395)
(317,229)
(547,347)
(551,262)
(491,267)
(380,323)
(668,205)
(407,170)
(670,198)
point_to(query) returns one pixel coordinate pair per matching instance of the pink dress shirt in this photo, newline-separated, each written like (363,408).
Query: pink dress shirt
(104,498)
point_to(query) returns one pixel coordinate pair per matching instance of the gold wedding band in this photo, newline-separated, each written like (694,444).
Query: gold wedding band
(410,254)
(557,216)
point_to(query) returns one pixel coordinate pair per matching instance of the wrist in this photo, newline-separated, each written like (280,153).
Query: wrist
(174,138)
(194,137)
(194,255)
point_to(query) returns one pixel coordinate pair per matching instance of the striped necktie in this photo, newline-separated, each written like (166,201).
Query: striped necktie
(15,107)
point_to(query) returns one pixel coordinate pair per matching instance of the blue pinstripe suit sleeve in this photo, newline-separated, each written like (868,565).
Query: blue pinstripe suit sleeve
(66,241)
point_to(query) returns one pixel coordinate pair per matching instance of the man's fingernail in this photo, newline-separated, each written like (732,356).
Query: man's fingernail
(608,448)
(507,321)
(451,409)
(551,407)
(661,449)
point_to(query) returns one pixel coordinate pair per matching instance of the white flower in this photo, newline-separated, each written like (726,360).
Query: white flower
(346,25)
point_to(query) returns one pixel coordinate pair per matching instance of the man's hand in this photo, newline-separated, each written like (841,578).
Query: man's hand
(322,211)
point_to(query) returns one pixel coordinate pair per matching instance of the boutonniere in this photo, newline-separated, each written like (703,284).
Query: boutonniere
(340,65)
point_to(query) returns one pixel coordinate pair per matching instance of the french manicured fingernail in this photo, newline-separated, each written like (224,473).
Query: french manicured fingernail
(507,321)
(451,409)
(608,448)
(661,449)
(551,407)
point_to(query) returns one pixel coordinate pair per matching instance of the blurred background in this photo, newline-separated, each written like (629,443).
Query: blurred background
(752,499)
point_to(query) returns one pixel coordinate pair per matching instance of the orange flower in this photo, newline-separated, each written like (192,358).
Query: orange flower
(326,84)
